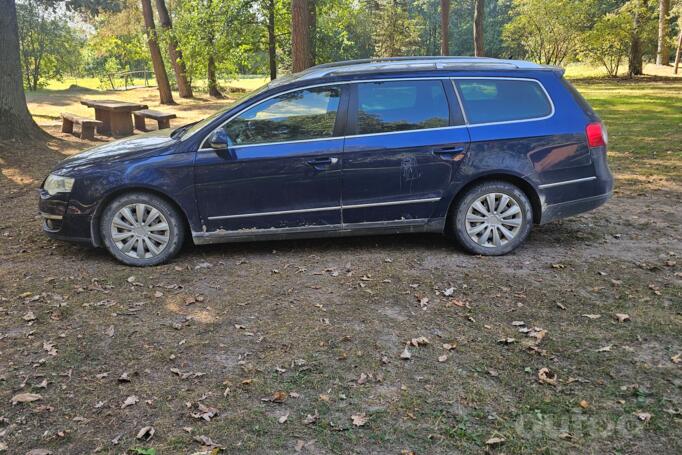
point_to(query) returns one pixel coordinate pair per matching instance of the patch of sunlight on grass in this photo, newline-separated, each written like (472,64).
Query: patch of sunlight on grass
(16,176)
(581,70)
(197,311)
(47,104)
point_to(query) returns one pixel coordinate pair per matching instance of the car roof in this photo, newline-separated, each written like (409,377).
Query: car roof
(401,65)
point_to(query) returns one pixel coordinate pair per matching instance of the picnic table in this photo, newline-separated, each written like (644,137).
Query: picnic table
(116,116)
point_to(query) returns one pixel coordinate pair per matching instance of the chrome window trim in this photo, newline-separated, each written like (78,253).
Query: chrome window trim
(504,122)
(566,182)
(392,79)
(324,209)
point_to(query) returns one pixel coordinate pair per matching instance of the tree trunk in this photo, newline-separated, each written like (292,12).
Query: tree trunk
(312,32)
(679,51)
(213,89)
(444,27)
(272,43)
(165,93)
(300,35)
(15,120)
(175,54)
(635,57)
(662,52)
(479,12)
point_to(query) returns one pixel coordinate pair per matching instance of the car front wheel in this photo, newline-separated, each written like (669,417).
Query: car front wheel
(142,229)
(492,218)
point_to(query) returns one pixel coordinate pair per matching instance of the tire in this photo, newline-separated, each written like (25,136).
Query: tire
(155,240)
(492,234)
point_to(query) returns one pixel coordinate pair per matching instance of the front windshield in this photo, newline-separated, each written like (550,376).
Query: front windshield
(199,125)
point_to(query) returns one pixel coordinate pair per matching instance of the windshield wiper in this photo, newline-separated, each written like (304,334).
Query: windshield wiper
(177,134)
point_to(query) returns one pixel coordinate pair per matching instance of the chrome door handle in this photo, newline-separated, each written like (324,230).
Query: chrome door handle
(322,163)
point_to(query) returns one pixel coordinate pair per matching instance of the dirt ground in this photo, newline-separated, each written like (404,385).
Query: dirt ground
(298,346)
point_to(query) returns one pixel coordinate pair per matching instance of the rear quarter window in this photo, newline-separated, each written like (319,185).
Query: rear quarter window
(502,100)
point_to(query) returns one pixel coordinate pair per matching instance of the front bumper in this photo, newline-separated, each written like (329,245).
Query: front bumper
(60,220)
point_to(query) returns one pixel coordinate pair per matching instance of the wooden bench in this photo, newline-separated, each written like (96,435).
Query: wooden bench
(162,118)
(88,125)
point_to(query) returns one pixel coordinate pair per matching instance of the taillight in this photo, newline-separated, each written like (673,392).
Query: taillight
(596,135)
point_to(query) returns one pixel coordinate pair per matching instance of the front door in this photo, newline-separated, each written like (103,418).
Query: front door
(407,139)
(281,170)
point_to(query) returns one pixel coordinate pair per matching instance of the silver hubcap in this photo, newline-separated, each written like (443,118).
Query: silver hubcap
(493,220)
(140,231)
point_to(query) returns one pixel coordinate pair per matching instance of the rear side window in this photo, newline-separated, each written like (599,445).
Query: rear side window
(502,100)
(401,105)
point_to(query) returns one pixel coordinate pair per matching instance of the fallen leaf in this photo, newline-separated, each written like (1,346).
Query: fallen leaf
(311,418)
(443,358)
(405,355)
(592,316)
(206,441)
(622,317)
(39,452)
(546,376)
(506,340)
(29,316)
(26,398)
(283,418)
(416,342)
(146,433)
(584,404)
(605,348)
(449,346)
(359,419)
(49,348)
(677,358)
(495,441)
(205,412)
(278,396)
(643,416)
(131,400)
(109,331)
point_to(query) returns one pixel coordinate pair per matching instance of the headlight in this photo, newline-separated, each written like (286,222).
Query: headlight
(58,184)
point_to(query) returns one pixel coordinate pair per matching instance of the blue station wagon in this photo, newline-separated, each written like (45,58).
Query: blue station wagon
(479,149)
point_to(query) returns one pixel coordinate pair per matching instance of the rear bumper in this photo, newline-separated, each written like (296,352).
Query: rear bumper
(570,208)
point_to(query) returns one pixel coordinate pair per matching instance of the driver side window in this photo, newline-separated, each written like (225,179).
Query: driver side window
(303,114)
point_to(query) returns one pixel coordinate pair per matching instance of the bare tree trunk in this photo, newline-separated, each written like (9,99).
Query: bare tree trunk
(312,32)
(165,93)
(679,51)
(444,27)
(175,54)
(635,58)
(662,52)
(213,89)
(479,12)
(15,120)
(300,35)
(272,43)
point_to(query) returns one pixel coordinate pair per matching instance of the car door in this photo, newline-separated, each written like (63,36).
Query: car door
(406,140)
(281,168)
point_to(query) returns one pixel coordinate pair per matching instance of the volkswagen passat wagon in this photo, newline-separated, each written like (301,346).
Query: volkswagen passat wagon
(479,149)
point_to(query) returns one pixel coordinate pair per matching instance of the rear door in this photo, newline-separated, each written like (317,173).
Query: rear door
(404,144)
(282,168)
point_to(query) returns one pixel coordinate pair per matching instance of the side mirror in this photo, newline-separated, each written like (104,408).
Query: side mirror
(218,139)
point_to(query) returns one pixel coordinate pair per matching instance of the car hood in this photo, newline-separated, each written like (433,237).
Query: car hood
(127,148)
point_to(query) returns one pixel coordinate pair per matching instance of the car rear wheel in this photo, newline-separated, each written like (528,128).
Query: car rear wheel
(492,218)
(142,229)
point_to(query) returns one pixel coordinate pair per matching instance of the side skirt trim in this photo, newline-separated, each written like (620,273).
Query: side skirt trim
(332,230)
